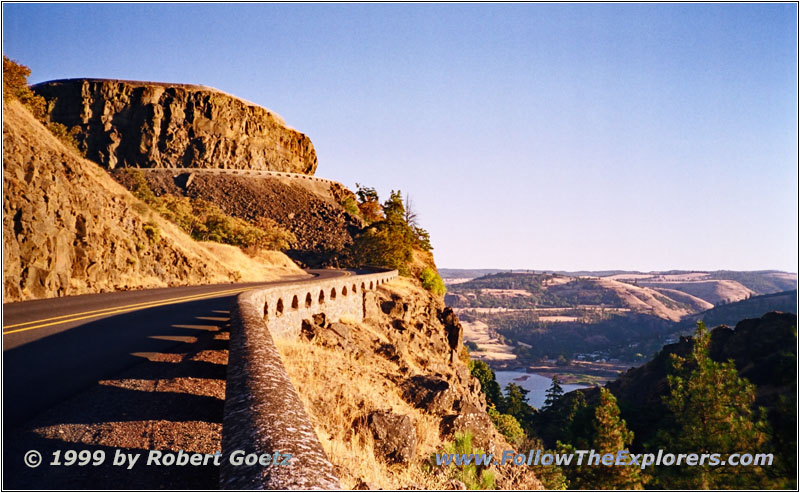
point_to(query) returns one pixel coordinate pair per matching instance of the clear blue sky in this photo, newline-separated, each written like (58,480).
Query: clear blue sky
(548,136)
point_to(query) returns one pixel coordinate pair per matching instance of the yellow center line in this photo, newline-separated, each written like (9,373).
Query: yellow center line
(122,309)
(144,303)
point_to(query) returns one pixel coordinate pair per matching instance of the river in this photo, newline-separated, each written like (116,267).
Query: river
(536,385)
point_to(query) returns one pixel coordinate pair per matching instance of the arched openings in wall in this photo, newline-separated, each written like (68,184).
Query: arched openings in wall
(308,300)
(321,298)
(344,290)
(279,309)
(295,303)
(266,310)
(333,293)
(354,288)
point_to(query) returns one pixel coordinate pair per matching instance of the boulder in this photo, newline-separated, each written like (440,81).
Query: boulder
(432,394)
(394,434)
(471,419)
(452,327)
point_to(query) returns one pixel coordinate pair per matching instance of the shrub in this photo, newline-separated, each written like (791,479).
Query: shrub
(153,232)
(350,206)
(66,136)
(507,425)
(475,477)
(432,281)
(205,221)
(15,85)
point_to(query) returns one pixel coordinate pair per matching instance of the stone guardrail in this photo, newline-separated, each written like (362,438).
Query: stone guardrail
(242,172)
(263,412)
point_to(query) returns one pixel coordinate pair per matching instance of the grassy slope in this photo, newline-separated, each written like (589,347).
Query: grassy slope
(32,154)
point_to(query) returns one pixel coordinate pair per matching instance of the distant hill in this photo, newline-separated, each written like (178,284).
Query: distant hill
(467,273)
(763,349)
(754,307)
(761,282)
(521,290)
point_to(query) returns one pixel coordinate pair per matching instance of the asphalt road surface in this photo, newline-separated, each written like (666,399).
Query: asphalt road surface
(54,348)
(58,352)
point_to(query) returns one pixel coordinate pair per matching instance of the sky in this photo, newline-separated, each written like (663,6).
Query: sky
(539,136)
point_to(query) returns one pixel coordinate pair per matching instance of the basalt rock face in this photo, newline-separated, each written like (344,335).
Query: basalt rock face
(156,125)
(69,229)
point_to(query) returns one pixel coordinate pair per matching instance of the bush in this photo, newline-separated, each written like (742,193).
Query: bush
(153,232)
(473,476)
(383,244)
(15,85)
(507,425)
(432,282)
(350,206)
(205,221)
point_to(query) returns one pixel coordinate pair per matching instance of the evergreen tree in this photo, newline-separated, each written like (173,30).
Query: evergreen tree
(611,435)
(553,393)
(516,404)
(712,408)
(516,399)
(489,386)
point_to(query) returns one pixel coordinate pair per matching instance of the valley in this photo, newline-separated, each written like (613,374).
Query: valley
(588,326)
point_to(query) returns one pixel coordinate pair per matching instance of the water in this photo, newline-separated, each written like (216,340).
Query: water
(536,385)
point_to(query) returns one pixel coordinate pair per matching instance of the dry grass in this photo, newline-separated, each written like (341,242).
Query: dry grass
(337,389)
(219,261)
(489,348)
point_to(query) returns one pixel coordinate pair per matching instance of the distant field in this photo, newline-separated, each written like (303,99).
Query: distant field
(619,316)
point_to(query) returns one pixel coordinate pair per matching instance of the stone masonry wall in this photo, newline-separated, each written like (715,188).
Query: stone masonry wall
(263,412)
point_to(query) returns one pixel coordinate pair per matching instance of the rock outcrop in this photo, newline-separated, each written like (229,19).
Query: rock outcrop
(68,228)
(156,125)
(401,369)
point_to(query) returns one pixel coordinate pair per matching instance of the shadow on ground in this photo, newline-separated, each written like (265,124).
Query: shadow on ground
(147,380)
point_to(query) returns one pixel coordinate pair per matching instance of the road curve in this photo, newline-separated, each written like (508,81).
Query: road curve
(54,348)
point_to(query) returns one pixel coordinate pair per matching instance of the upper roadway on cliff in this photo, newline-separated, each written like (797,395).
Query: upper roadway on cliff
(156,125)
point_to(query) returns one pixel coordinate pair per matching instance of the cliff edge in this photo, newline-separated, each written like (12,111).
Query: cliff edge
(69,228)
(156,125)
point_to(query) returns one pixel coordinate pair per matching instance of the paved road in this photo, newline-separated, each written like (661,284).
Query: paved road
(55,348)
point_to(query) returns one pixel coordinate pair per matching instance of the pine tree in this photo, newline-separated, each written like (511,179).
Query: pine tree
(553,393)
(712,409)
(516,404)
(611,435)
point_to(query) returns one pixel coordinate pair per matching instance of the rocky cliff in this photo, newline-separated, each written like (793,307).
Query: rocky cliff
(147,124)
(69,228)
(392,391)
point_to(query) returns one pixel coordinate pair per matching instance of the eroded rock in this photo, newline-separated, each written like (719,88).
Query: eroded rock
(156,125)
(394,434)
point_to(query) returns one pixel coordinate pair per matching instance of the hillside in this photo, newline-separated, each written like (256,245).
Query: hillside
(387,393)
(764,351)
(729,314)
(312,211)
(529,290)
(149,124)
(68,228)
(532,317)
(712,291)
